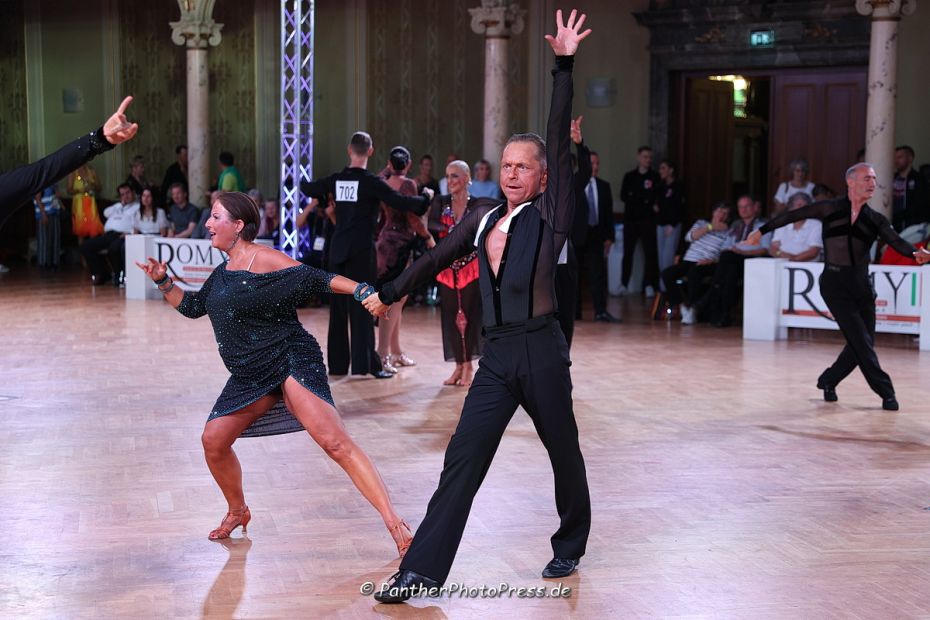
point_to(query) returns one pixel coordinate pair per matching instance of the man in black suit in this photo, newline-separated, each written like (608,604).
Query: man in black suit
(640,218)
(566,272)
(21,184)
(358,195)
(596,212)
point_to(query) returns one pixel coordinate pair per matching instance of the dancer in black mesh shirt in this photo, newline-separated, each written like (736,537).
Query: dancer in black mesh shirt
(525,359)
(850,227)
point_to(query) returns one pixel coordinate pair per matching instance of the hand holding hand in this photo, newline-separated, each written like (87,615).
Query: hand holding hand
(373,304)
(118,129)
(567,36)
(922,256)
(429,193)
(153,269)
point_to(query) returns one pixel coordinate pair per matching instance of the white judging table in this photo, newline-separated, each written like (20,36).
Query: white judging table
(779,294)
(190,262)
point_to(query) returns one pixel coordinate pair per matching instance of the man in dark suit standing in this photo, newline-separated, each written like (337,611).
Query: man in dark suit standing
(358,194)
(638,193)
(597,214)
(566,272)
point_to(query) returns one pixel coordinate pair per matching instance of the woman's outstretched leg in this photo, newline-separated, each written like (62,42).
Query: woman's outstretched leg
(325,426)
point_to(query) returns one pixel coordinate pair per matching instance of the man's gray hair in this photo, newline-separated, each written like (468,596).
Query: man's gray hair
(534,139)
(857,167)
(800,197)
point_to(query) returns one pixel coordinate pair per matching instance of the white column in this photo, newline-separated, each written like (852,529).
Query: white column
(197,31)
(496,20)
(883,90)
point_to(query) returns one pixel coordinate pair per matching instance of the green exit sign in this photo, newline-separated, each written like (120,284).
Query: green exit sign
(762,38)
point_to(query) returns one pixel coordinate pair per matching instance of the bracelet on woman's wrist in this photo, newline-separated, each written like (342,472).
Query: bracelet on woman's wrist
(162,280)
(363,291)
(165,291)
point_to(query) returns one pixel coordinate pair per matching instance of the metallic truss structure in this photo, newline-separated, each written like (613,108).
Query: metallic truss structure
(296,118)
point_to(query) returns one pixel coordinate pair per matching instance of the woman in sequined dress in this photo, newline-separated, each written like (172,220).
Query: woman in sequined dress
(459,295)
(279,382)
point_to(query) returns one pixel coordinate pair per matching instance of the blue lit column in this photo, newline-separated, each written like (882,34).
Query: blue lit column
(296,117)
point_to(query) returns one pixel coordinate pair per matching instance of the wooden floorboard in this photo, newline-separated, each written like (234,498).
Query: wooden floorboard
(721,485)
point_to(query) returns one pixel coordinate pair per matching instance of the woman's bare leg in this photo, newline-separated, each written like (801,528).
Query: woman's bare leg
(397,313)
(325,426)
(218,437)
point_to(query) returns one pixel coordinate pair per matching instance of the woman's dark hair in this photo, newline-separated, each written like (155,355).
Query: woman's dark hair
(241,207)
(151,191)
(670,164)
(400,158)
(226,158)
(722,205)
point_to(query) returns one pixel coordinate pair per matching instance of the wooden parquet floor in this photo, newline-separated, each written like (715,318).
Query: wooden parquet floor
(722,487)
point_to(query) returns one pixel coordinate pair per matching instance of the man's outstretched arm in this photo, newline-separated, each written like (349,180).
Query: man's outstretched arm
(19,185)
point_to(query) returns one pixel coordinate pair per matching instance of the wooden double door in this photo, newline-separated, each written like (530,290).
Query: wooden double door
(817,114)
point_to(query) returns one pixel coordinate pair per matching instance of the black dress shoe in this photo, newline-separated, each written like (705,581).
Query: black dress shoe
(382,374)
(829,395)
(404,584)
(890,404)
(606,317)
(560,567)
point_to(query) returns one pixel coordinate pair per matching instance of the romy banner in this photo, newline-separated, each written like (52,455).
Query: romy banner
(897,302)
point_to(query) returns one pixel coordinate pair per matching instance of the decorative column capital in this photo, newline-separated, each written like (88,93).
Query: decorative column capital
(196,28)
(497,19)
(886,9)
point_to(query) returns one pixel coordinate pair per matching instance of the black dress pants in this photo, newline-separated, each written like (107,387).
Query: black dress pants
(645,232)
(566,294)
(593,263)
(684,282)
(526,366)
(343,311)
(115,245)
(725,287)
(851,300)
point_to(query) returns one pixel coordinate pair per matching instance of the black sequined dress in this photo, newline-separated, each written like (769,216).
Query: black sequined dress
(261,341)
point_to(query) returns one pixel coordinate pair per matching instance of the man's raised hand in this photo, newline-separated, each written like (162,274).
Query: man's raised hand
(567,36)
(118,129)
(576,130)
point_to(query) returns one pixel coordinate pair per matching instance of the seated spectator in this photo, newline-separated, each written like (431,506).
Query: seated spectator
(425,178)
(119,223)
(200,230)
(269,227)
(256,195)
(798,169)
(684,281)
(481,184)
(149,219)
(823,192)
(183,215)
(801,241)
(728,276)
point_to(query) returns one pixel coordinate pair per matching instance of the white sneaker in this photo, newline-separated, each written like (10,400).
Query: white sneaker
(650,292)
(622,290)
(687,315)
(4,269)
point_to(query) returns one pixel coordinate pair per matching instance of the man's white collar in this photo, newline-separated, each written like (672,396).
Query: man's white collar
(505,226)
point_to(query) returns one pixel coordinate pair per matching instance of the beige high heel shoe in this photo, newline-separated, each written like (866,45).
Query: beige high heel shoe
(403,537)
(230,522)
